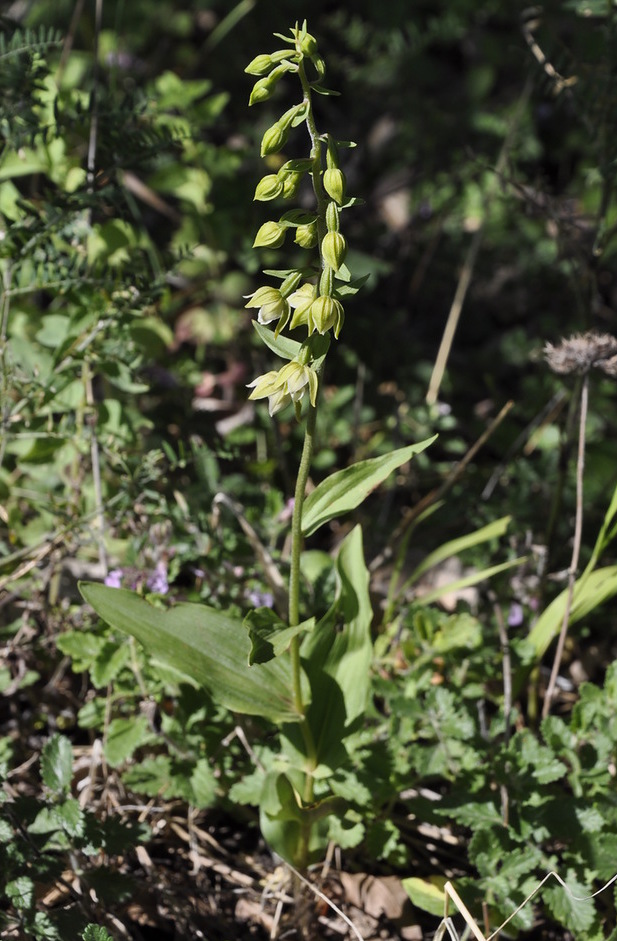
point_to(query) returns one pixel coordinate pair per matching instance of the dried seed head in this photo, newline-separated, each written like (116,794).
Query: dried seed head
(579,354)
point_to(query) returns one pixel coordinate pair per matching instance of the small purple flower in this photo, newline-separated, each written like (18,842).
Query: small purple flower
(113,579)
(261,599)
(515,615)
(157,580)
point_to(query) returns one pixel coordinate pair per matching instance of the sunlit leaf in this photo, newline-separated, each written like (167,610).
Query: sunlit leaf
(206,645)
(346,489)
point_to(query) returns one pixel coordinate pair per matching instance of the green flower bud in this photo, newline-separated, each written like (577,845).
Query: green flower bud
(331,154)
(259,65)
(306,235)
(262,64)
(291,182)
(274,139)
(325,313)
(270,235)
(308,44)
(268,188)
(290,283)
(261,91)
(334,249)
(263,87)
(334,184)
(326,281)
(332,217)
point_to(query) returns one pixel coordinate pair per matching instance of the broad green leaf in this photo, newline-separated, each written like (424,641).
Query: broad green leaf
(269,635)
(20,891)
(476,815)
(150,776)
(282,346)
(24,163)
(472,579)
(459,630)
(203,784)
(109,662)
(206,645)
(570,905)
(57,763)
(590,591)
(71,817)
(346,489)
(455,546)
(46,821)
(124,736)
(427,894)
(54,330)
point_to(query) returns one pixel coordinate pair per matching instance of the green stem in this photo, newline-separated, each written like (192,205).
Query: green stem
(294,619)
(294,590)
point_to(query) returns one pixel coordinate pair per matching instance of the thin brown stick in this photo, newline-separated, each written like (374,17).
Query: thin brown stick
(576,548)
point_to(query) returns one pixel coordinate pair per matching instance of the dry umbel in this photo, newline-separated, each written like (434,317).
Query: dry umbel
(580,353)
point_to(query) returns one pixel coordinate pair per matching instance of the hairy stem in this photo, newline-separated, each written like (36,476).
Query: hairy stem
(316,148)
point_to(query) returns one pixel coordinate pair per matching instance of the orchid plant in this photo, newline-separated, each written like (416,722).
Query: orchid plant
(308,677)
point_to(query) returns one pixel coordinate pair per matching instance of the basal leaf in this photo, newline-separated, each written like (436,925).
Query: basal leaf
(346,489)
(206,645)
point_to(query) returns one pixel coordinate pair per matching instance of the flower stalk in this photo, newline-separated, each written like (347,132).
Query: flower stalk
(309,298)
